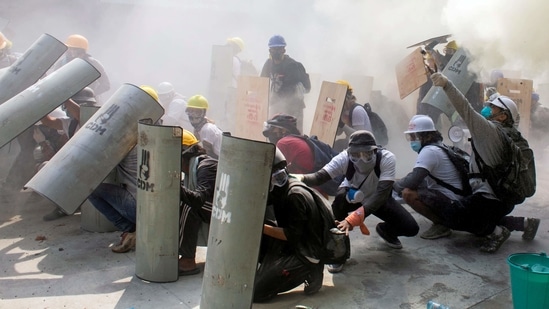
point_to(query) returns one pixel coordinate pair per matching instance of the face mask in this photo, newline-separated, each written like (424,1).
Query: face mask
(354,196)
(415,145)
(279,179)
(365,167)
(486,112)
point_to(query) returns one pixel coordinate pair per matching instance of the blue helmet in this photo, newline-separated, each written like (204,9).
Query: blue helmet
(277,41)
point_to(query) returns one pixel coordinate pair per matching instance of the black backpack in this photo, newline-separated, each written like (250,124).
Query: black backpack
(460,159)
(378,126)
(515,179)
(323,154)
(336,246)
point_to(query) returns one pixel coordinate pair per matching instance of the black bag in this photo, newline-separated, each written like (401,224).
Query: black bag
(460,159)
(378,126)
(515,179)
(336,246)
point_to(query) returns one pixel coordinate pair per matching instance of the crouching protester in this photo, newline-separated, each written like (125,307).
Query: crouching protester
(290,250)
(434,181)
(197,192)
(484,213)
(369,176)
(118,203)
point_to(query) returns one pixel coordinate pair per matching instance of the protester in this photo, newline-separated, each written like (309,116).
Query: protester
(483,213)
(291,257)
(174,105)
(204,128)
(369,176)
(289,81)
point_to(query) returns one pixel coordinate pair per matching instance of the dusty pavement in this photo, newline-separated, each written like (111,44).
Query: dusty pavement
(58,265)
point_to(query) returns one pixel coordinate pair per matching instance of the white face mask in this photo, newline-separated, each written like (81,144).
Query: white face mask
(365,167)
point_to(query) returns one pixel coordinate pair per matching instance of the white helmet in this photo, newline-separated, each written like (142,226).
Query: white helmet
(164,88)
(505,103)
(420,123)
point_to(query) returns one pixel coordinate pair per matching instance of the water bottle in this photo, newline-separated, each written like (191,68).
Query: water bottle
(432,305)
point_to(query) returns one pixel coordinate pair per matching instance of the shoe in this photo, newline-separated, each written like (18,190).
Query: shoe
(531,228)
(436,231)
(391,241)
(54,215)
(126,244)
(494,241)
(313,283)
(187,267)
(335,268)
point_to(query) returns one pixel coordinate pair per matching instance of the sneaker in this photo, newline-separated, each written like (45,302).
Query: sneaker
(335,268)
(313,283)
(54,215)
(391,241)
(494,241)
(436,231)
(126,244)
(531,228)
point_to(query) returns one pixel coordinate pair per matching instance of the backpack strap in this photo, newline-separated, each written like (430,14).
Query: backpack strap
(440,181)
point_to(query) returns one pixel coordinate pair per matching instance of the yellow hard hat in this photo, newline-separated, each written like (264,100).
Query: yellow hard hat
(150,90)
(237,41)
(346,83)
(3,41)
(188,139)
(452,45)
(197,101)
(77,41)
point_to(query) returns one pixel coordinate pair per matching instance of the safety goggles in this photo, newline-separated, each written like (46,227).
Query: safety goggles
(279,178)
(411,137)
(362,155)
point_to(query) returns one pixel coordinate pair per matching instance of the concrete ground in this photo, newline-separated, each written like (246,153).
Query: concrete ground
(57,264)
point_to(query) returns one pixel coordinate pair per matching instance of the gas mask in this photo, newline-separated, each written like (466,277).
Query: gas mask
(363,161)
(279,178)
(277,53)
(354,195)
(196,117)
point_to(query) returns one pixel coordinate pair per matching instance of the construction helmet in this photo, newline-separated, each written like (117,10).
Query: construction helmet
(237,41)
(452,45)
(188,139)
(346,83)
(197,101)
(277,41)
(506,103)
(420,123)
(150,90)
(77,41)
(86,95)
(535,96)
(164,88)
(3,41)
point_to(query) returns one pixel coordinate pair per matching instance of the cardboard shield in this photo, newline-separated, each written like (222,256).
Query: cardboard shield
(158,194)
(520,91)
(411,73)
(29,106)
(456,71)
(328,111)
(32,65)
(252,107)
(100,144)
(237,223)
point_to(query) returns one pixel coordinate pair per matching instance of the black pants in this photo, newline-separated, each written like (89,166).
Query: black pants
(280,271)
(189,226)
(398,221)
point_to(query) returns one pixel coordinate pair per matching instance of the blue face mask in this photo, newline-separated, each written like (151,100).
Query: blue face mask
(486,112)
(415,145)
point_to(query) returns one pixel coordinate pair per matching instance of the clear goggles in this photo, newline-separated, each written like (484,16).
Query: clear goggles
(361,155)
(279,178)
(411,137)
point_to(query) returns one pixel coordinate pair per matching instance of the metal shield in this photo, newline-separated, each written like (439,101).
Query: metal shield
(158,194)
(242,184)
(100,144)
(456,71)
(29,106)
(32,65)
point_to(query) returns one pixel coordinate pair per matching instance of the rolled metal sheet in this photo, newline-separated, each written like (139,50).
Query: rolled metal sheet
(32,65)
(29,106)
(456,71)
(100,144)
(158,194)
(240,199)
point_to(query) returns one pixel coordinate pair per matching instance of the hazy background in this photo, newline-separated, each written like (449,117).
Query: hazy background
(150,41)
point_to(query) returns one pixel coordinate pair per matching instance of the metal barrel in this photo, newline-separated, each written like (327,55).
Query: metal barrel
(456,71)
(158,194)
(240,199)
(29,106)
(100,144)
(32,65)
(91,219)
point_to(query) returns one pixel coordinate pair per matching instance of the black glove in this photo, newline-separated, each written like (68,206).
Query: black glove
(341,124)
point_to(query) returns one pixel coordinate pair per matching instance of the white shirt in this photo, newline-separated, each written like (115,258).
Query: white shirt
(435,160)
(210,134)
